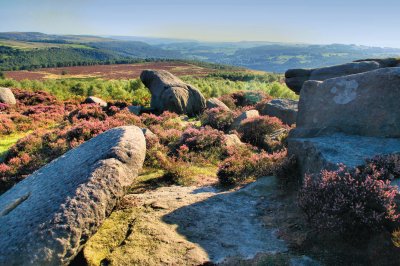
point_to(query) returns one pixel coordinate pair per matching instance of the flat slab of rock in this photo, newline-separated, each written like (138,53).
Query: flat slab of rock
(363,104)
(295,78)
(7,96)
(325,152)
(95,100)
(169,93)
(215,103)
(46,218)
(284,109)
(187,226)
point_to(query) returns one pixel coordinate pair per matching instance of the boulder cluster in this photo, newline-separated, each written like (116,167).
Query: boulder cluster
(349,118)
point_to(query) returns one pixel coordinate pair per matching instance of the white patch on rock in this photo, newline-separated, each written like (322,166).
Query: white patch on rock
(346,91)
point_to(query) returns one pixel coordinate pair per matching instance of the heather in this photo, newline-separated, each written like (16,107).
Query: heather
(348,201)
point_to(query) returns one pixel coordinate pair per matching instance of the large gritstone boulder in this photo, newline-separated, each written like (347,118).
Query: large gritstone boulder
(6,96)
(347,120)
(295,78)
(47,218)
(364,104)
(284,109)
(169,93)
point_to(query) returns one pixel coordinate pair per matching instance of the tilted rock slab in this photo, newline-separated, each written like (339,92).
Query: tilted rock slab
(326,152)
(46,218)
(169,93)
(295,78)
(365,104)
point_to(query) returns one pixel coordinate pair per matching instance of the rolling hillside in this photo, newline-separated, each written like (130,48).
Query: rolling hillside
(30,50)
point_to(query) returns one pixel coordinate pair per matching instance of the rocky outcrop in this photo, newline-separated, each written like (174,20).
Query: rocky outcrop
(215,103)
(169,93)
(95,100)
(295,78)
(46,218)
(247,114)
(6,96)
(284,109)
(363,104)
(346,120)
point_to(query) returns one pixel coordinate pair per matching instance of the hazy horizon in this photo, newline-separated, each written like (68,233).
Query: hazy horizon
(356,22)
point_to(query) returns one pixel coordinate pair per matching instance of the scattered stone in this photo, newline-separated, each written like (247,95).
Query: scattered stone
(47,217)
(295,78)
(169,93)
(7,96)
(232,140)
(363,104)
(135,109)
(148,133)
(247,114)
(284,109)
(95,100)
(215,103)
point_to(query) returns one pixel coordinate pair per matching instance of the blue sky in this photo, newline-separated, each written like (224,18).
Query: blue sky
(367,22)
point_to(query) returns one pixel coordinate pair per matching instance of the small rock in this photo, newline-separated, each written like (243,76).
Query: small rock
(6,96)
(215,103)
(135,109)
(284,109)
(247,114)
(232,140)
(95,100)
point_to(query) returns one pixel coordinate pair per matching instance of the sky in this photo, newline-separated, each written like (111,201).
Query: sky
(363,22)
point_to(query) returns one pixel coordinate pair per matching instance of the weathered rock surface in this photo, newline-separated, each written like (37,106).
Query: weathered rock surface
(363,104)
(188,226)
(6,96)
(46,218)
(232,140)
(215,103)
(169,93)
(136,110)
(247,114)
(284,109)
(95,100)
(295,78)
(326,152)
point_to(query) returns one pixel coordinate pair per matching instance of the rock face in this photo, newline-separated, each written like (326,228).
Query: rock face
(95,100)
(295,78)
(6,96)
(347,120)
(169,93)
(215,103)
(284,109)
(363,104)
(247,114)
(46,218)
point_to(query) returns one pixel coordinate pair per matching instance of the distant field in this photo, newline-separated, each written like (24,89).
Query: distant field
(125,71)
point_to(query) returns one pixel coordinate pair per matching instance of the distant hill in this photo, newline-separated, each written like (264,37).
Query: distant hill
(28,50)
